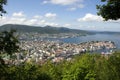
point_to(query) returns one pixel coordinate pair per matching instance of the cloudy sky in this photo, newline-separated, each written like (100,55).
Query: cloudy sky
(76,14)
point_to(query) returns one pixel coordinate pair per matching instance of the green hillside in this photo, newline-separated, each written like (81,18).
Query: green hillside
(39,29)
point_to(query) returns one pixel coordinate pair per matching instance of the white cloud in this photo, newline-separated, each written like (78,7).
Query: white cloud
(37,20)
(19,14)
(72,9)
(41,22)
(15,20)
(75,7)
(67,25)
(3,20)
(91,17)
(80,6)
(45,2)
(50,15)
(31,22)
(72,4)
(64,2)
(114,21)
(37,17)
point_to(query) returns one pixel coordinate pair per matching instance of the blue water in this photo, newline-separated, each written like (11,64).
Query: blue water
(97,37)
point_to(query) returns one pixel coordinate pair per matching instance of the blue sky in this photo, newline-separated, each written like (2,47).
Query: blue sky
(77,14)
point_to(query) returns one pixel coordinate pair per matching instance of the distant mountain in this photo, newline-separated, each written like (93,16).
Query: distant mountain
(46,29)
(105,32)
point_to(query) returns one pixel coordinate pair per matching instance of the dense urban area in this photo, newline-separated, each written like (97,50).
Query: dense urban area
(37,49)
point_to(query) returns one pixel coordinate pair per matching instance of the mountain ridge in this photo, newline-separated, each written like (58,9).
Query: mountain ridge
(39,29)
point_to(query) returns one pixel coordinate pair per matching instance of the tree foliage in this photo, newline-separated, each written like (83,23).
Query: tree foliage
(8,43)
(2,3)
(109,10)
